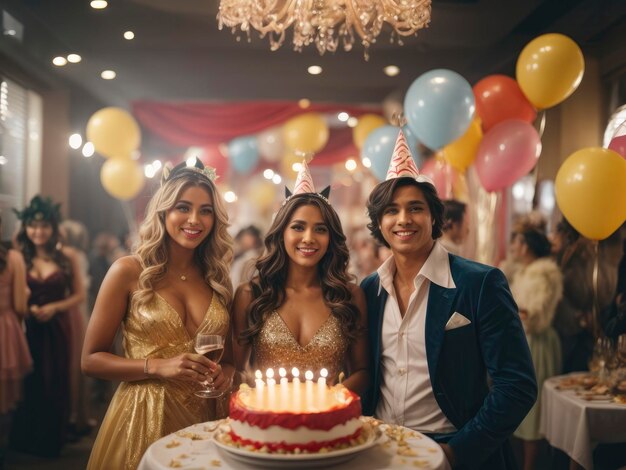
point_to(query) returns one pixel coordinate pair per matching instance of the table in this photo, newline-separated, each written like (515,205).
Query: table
(575,425)
(194,448)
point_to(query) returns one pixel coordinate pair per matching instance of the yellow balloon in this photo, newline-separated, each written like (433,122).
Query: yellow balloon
(121,178)
(462,152)
(262,193)
(287,163)
(367,123)
(113,132)
(549,69)
(590,192)
(306,133)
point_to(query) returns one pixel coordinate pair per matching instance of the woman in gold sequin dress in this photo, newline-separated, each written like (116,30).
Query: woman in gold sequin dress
(176,286)
(301,310)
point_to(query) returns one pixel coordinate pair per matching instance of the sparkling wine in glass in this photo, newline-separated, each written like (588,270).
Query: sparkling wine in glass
(212,347)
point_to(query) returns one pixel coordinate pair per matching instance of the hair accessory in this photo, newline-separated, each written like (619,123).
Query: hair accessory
(198,167)
(402,164)
(40,209)
(304,185)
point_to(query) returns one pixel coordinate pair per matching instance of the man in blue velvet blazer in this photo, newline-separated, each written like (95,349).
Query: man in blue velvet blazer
(449,356)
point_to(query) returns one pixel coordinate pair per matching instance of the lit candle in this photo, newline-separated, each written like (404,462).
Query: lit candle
(308,375)
(259,388)
(321,388)
(271,389)
(296,389)
(283,388)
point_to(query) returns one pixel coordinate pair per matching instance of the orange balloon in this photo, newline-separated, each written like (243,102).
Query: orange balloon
(462,152)
(589,190)
(549,69)
(499,98)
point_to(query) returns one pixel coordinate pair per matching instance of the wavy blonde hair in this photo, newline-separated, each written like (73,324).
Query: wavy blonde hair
(213,255)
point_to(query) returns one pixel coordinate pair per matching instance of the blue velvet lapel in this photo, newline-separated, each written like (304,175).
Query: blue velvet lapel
(438,312)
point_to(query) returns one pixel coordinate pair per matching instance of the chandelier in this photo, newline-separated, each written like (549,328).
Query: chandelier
(325,23)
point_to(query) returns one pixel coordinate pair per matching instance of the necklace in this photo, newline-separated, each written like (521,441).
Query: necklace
(181,276)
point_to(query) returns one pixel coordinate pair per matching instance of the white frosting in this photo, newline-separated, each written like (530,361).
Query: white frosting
(301,435)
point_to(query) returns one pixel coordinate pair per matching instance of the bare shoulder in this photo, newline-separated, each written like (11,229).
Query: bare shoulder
(127,268)
(70,252)
(15,256)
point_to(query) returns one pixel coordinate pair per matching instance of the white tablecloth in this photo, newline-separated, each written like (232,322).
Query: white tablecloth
(575,425)
(193,448)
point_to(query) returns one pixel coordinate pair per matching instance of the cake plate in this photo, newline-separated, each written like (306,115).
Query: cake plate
(313,460)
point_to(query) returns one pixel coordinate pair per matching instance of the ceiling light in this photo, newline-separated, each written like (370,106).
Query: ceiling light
(391,70)
(149,170)
(315,69)
(276,179)
(325,24)
(76,141)
(128,35)
(88,150)
(98,4)
(230,196)
(350,164)
(74,58)
(367,163)
(352,121)
(304,103)
(108,74)
(59,61)
(343,116)
(296,167)
(268,174)
(157,164)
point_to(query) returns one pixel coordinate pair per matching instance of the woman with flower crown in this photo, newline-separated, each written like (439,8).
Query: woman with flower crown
(173,288)
(301,310)
(53,275)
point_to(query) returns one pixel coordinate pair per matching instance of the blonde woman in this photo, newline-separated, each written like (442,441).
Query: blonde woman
(174,287)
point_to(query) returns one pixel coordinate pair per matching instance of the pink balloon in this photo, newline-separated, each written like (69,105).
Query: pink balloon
(618,142)
(442,175)
(507,152)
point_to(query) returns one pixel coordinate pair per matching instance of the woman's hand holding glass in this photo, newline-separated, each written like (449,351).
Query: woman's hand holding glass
(212,347)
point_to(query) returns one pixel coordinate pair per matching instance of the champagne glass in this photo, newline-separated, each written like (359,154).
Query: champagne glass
(212,347)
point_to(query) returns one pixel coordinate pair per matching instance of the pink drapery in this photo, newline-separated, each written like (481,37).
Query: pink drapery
(207,124)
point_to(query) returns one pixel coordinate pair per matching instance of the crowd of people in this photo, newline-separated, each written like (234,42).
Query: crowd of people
(428,339)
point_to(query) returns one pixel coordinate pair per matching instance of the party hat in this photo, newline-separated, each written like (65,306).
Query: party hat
(304,181)
(402,164)
(304,185)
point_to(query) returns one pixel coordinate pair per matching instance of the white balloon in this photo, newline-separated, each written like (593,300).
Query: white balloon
(271,145)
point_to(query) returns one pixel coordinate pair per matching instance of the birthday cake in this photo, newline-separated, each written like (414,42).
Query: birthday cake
(295,418)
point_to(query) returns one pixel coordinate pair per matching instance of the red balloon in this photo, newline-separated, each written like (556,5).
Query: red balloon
(211,156)
(507,152)
(618,142)
(499,98)
(442,174)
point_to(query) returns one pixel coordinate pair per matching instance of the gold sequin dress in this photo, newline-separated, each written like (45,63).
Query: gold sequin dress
(146,410)
(275,347)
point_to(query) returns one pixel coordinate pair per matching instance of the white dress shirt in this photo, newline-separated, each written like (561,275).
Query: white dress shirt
(407,396)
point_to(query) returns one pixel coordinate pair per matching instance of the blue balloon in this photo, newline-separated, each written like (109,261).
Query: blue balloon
(243,154)
(439,107)
(378,148)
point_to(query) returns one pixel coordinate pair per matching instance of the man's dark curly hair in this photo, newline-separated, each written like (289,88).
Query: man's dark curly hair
(382,195)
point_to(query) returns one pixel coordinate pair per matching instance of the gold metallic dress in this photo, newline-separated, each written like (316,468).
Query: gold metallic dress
(275,347)
(143,411)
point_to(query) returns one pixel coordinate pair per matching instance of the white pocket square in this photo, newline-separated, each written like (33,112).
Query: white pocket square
(456,321)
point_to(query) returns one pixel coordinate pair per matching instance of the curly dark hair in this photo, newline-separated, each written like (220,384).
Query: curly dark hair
(535,239)
(382,195)
(27,247)
(268,288)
